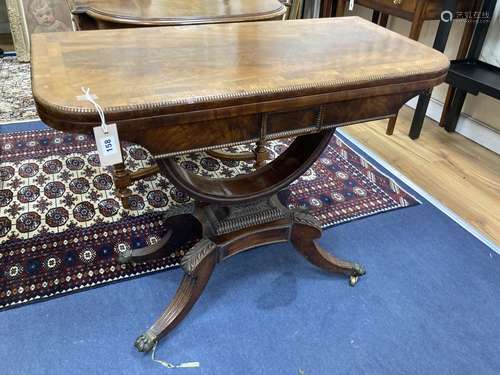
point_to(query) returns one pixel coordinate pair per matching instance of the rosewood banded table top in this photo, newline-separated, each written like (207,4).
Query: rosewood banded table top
(128,13)
(215,80)
(106,14)
(181,89)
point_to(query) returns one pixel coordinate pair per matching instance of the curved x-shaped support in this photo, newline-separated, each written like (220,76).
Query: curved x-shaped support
(244,213)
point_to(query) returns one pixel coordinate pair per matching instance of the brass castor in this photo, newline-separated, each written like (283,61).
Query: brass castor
(353,280)
(358,271)
(145,342)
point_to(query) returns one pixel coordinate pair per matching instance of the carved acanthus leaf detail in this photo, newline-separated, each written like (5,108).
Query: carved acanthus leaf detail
(196,254)
(302,217)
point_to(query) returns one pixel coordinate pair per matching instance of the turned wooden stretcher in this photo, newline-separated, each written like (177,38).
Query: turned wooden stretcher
(183,89)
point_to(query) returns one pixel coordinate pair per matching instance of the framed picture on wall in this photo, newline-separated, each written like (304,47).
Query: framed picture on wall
(35,16)
(491,48)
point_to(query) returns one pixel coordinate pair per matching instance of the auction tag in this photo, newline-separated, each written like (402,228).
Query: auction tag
(351,5)
(188,365)
(108,145)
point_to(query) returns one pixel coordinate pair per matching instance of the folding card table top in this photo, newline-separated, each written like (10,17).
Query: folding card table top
(182,89)
(202,74)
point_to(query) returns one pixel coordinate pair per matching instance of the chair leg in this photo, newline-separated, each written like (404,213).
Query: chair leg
(447,105)
(418,20)
(340,8)
(384,18)
(391,125)
(326,8)
(416,28)
(456,108)
(419,117)
(461,54)
(375,16)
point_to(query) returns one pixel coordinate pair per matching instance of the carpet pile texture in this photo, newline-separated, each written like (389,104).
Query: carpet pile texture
(62,228)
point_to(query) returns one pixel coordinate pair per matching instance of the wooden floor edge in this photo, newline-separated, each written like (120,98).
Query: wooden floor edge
(485,239)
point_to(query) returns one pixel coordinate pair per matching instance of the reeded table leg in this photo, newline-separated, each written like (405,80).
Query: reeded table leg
(305,231)
(198,264)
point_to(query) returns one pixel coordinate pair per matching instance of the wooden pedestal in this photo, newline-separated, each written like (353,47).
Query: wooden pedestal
(235,215)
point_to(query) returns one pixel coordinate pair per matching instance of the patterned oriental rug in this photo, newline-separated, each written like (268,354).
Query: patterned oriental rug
(62,228)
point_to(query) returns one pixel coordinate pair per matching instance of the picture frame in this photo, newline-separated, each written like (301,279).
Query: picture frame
(491,49)
(30,16)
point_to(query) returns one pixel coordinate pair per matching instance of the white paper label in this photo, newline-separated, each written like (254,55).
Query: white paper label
(108,145)
(189,365)
(351,5)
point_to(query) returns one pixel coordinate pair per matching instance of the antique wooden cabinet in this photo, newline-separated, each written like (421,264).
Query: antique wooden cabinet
(112,14)
(416,11)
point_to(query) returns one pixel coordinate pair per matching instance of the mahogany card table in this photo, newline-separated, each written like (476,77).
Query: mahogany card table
(178,90)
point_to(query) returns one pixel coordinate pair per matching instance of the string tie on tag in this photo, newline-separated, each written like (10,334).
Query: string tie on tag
(171,365)
(106,135)
(91,98)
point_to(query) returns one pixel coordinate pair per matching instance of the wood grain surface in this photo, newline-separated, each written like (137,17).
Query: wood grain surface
(178,69)
(177,12)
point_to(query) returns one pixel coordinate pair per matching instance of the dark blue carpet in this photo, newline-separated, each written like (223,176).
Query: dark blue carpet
(23,126)
(430,304)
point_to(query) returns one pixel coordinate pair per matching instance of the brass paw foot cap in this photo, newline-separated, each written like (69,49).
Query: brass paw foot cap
(145,342)
(358,270)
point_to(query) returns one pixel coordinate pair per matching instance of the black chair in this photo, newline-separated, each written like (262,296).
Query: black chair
(472,76)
